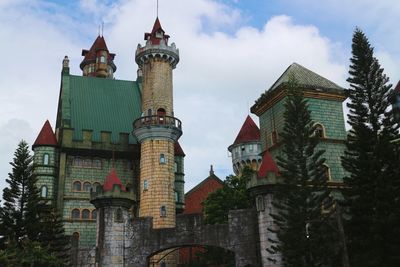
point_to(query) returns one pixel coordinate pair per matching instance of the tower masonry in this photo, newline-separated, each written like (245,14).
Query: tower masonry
(157,130)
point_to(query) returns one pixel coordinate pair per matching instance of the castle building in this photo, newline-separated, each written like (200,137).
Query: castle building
(93,135)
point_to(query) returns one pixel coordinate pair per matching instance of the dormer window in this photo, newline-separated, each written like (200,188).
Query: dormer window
(319,130)
(159,34)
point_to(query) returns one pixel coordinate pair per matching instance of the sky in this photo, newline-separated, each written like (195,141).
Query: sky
(231,51)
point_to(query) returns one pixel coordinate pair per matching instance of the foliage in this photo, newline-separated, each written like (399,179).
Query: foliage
(232,196)
(299,200)
(372,162)
(30,227)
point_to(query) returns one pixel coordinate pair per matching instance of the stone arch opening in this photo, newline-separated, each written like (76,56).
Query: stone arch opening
(192,255)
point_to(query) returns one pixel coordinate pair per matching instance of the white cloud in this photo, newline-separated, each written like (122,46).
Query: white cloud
(224,66)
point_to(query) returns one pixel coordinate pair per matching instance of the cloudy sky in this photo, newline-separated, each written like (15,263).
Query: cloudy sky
(231,51)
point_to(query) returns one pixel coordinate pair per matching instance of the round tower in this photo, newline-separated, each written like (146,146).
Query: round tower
(157,130)
(98,61)
(246,149)
(45,162)
(112,202)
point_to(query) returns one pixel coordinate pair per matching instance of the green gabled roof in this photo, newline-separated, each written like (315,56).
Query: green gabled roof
(100,104)
(305,78)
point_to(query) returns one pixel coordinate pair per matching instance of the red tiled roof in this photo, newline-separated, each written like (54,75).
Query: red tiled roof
(268,165)
(156,27)
(99,44)
(178,149)
(397,88)
(248,132)
(46,136)
(111,180)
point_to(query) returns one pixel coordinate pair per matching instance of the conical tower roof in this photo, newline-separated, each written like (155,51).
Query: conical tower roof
(90,55)
(248,133)
(268,165)
(111,180)
(46,136)
(178,149)
(155,40)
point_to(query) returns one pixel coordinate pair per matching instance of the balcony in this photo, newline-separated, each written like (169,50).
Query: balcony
(157,126)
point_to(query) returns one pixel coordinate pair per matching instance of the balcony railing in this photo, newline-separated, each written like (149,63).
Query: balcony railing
(157,120)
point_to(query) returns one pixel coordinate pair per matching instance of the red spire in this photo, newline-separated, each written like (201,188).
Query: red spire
(178,149)
(111,180)
(248,132)
(91,54)
(154,37)
(268,165)
(46,136)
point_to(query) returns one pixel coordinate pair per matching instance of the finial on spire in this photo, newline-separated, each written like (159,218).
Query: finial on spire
(102,28)
(157,8)
(211,170)
(113,158)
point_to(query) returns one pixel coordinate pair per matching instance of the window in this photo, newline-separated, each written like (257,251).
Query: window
(161,114)
(75,240)
(274,137)
(163,211)
(77,186)
(94,214)
(85,214)
(145,185)
(96,187)
(149,112)
(176,166)
(251,147)
(242,148)
(96,163)
(87,186)
(162,159)
(260,203)
(327,172)
(75,214)
(43,191)
(118,217)
(128,187)
(102,59)
(319,130)
(176,196)
(46,159)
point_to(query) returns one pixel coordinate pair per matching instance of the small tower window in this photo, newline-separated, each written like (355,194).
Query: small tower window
(163,211)
(87,186)
(128,187)
(260,203)
(118,217)
(77,186)
(43,191)
(319,131)
(85,214)
(75,214)
(75,240)
(251,147)
(46,159)
(327,172)
(145,185)
(149,113)
(102,59)
(94,214)
(274,137)
(175,166)
(96,187)
(162,159)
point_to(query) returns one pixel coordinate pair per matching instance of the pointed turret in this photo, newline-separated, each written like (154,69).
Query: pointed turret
(157,34)
(111,180)
(246,147)
(98,61)
(46,136)
(267,166)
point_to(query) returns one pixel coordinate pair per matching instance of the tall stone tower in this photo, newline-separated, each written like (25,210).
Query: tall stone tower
(157,130)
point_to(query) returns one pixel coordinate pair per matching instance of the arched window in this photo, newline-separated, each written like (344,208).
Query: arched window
(118,217)
(85,214)
(163,211)
(145,185)
(161,115)
(77,186)
(75,239)
(87,186)
(274,137)
(260,203)
(43,191)
(162,159)
(327,172)
(46,159)
(94,214)
(96,187)
(75,214)
(102,59)
(319,130)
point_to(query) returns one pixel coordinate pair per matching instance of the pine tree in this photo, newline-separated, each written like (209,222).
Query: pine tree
(372,162)
(304,236)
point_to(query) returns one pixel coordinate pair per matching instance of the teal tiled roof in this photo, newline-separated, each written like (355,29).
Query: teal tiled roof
(98,104)
(305,78)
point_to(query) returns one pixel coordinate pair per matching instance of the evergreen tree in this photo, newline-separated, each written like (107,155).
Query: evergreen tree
(304,236)
(372,162)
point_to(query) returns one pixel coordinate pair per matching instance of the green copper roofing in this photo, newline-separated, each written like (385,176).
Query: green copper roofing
(98,104)
(305,78)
